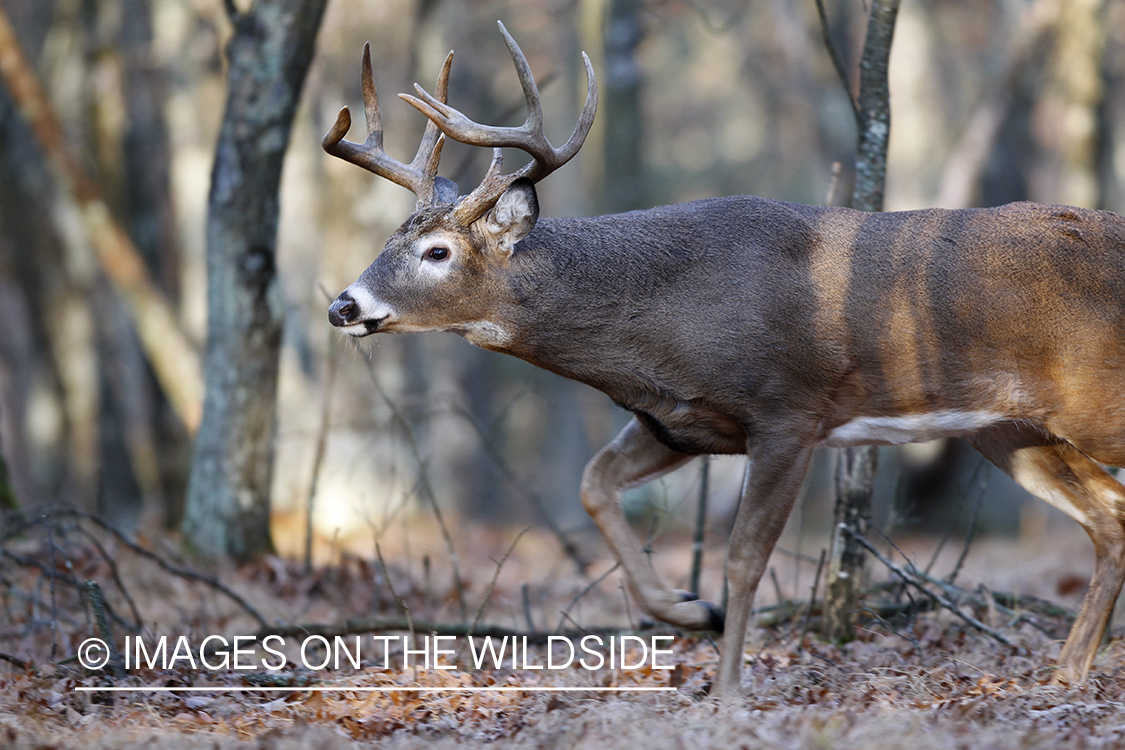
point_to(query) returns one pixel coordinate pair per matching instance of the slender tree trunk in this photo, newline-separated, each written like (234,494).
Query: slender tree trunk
(228,501)
(855,474)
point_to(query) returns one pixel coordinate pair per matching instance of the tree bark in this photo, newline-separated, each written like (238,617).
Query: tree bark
(855,474)
(228,502)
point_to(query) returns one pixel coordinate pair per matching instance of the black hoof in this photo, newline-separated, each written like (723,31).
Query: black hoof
(716,618)
(687,596)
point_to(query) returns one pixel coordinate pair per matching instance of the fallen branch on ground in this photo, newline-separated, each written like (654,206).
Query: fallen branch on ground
(357,626)
(917,582)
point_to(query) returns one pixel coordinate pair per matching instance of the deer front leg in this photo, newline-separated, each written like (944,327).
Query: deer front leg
(776,472)
(632,459)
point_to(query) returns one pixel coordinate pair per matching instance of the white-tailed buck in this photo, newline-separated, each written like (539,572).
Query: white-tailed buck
(744,325)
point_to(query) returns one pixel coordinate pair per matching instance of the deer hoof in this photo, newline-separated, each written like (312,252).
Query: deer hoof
(716,617)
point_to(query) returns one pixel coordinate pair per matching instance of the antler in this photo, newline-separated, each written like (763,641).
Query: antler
(420,175)
(528,137)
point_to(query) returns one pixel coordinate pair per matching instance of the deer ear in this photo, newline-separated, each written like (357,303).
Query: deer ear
(513,216)
(446,190)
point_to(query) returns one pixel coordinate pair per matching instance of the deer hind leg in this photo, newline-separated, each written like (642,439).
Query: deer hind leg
(632,459)
(1060,474)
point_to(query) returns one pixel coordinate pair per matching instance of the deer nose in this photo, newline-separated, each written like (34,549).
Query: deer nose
(344,311)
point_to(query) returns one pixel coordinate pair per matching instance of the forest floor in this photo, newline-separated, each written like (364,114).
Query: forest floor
(916,676)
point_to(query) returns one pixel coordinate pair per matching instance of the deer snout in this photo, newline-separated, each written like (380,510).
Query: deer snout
(344,311)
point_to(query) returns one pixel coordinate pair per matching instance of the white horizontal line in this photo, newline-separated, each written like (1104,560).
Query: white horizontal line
(339,689)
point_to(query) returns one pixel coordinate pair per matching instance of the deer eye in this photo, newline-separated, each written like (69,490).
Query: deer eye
(438,253)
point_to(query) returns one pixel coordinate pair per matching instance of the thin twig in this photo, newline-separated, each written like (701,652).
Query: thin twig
(589,587)
(911,639)
(837,62)
(428,490)
(318,451)
(33,600)
(402,605)
(568,545)
(628,609)
(914,581)
(972,525)
(812,595)
(13,660)
(492,583)
(357,626)
(949,532)
(526,597)
(138,622)
(776,586)
(996,600)
(566,616)
(51,574)
(182,572)
(69,580)
(795,555)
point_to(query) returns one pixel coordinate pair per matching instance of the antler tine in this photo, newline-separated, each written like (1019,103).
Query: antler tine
(420,174)
(429,150)
(475,204)
(534,122)
(586,118)
(370,100)
(528,137)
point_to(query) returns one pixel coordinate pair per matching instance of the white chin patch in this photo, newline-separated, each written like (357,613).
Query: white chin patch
(484,333)
(911,428)
(357,330)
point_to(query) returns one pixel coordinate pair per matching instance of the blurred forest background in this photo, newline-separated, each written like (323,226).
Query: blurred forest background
(992,102)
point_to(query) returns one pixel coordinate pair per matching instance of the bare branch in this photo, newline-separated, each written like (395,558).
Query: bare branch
(834,54)
(318,450)
(182,572)
(917,583)
(568,545)
(590,587)
(17,662)
(138,623)
(492,583)
(385,625)
(428,490)
(398,599)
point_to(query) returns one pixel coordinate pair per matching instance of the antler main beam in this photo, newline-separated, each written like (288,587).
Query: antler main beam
(528,137)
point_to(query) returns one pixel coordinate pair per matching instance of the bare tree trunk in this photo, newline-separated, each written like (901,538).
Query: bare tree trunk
(855,472)
(228,501)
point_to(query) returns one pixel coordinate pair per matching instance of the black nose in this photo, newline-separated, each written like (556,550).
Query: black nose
(344,311)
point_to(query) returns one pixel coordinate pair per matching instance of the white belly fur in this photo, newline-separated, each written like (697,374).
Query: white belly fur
(911,428)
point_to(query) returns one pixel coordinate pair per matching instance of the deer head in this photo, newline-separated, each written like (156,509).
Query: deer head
(442,269)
